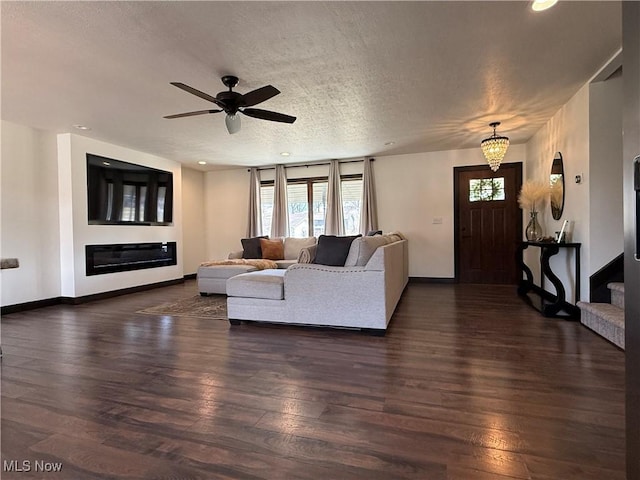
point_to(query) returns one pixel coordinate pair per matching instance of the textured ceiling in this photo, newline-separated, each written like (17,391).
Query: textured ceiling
(425,75)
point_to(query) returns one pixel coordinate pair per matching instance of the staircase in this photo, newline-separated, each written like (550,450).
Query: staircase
(606,319)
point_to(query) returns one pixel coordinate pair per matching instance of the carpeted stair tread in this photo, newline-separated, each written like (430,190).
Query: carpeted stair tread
(617,294)
(619,286)
(605,319)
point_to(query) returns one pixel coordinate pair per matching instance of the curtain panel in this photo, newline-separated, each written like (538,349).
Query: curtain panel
(254,224)
(280,219)
(368,209)
(334,221)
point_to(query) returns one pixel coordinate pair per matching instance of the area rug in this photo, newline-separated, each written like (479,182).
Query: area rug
(213,307)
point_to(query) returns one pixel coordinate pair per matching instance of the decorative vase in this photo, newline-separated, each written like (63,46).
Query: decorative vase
(533,231)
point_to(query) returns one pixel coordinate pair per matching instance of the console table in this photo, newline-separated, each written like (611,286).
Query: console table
(548,304)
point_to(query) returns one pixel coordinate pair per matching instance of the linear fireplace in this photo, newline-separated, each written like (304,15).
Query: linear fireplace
(122,257)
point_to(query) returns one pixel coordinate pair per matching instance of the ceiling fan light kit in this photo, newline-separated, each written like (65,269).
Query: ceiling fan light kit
(494,148)
(233,103)
(233,123)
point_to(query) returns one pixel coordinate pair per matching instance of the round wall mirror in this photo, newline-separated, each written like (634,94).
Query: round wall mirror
(556,186)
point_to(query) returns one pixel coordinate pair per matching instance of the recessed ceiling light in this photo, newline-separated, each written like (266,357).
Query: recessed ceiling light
(540,5)
(202,162)
(285,154)
(389,143)
(81,127)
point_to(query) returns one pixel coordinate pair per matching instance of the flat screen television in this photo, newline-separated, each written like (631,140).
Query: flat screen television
(122,193)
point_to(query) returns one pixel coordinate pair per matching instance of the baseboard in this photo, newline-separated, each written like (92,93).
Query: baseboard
(117,293)
(21,307)
(431,280)
(190,276)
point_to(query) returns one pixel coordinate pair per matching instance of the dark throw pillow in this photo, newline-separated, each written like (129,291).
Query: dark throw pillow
(332,250)
(251,247)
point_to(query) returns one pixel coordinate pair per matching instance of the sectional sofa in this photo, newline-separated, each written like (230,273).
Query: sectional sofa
(363,294)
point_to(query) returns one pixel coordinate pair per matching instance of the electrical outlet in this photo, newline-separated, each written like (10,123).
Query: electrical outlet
(437,221)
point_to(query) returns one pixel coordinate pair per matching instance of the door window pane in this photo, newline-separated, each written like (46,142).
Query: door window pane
(486,189)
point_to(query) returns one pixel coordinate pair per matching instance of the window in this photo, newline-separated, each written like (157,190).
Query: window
(319,207)
(307,205)
(351,203)
(298,209)
(486,189)
(266,201)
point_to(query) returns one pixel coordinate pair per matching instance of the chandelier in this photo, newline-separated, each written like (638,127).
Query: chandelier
(494,148)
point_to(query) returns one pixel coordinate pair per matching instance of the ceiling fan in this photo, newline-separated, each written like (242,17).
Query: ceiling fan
(233,103)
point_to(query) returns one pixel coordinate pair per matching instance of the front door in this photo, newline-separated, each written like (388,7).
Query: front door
(488,223)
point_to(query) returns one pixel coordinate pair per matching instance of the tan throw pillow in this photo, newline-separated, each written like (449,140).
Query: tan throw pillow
(272,249)
(292,246)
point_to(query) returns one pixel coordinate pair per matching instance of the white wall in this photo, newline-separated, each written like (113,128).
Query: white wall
(193,220)
(44,217)
(72,158)
(587,130)
(29,214)
(606,235)
(566,132)
(414,189)
(411,191)
(226,210)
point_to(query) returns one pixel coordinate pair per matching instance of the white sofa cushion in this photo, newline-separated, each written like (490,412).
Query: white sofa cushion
(292,246)
(224,271)
(267,284)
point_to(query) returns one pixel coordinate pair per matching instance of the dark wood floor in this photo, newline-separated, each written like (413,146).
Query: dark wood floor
(468,384)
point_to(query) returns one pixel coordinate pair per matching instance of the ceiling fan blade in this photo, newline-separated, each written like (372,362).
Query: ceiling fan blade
(268,115)
(191,114)
(198,93)
(259,95)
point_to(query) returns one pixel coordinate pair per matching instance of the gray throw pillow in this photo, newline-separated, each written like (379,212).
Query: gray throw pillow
(251,247)
(333,250)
